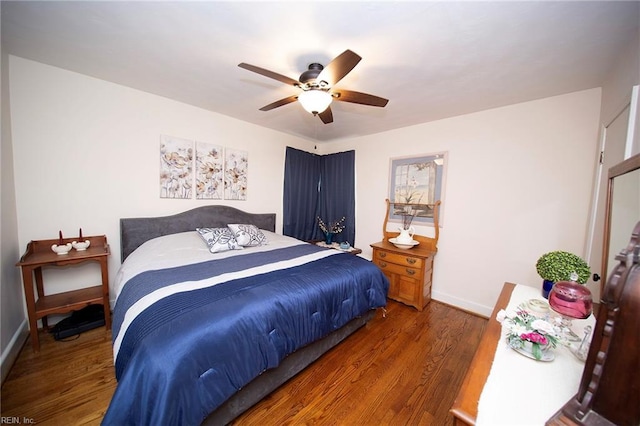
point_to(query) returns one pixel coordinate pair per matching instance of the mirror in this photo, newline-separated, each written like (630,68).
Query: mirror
(623,211)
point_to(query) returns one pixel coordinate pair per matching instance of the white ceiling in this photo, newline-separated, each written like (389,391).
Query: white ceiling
(430,59)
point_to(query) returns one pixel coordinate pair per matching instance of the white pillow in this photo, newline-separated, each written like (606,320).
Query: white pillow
(247,235)
(219,239)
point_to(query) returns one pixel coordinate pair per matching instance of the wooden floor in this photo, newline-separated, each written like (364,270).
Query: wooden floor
(402,369)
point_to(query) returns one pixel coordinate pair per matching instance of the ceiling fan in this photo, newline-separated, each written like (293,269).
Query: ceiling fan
(317,85)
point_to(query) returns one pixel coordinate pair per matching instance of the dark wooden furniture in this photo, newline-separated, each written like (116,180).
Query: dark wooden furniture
(621,211)
(39,255)
(409,271)
(465,406)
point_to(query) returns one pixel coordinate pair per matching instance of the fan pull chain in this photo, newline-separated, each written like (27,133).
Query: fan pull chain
(315,128)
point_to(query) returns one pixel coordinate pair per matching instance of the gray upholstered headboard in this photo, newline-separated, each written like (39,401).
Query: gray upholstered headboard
(135,231)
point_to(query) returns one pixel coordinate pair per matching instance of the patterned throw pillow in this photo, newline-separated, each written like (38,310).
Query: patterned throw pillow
(248,235)
(219,239)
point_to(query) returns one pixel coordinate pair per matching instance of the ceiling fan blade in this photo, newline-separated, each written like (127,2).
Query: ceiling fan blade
(359,98)
(326,116)
(279,103)
(339,67)
(282,78)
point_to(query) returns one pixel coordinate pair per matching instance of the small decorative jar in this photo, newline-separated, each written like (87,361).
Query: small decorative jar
(61,248)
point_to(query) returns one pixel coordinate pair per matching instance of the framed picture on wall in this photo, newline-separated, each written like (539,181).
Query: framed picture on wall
(415,184)
(236,165)
(220,173)
(209,171)
(176,167)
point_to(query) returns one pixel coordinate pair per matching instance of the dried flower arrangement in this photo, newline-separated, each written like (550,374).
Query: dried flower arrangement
(334,227)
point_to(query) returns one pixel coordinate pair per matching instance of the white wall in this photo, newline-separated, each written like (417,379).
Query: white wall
(616,95)
(13,324)
(86,153)
(518,179)
(518,184)
(624,74)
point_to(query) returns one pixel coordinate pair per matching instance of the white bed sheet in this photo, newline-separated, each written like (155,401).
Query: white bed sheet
(184,248)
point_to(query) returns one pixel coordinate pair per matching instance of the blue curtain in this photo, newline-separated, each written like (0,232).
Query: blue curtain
(337,193)
(318,185)
(301,193)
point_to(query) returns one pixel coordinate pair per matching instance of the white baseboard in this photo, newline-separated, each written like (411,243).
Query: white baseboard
(482,310)
(12,351)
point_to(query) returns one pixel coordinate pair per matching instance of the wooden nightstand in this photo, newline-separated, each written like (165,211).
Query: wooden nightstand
(39,255)
(409,272)
(336,246)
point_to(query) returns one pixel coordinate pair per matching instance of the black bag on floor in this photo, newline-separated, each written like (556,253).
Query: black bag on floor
(85,319)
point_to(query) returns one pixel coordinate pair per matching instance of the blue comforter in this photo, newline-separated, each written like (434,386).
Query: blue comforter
(189,337)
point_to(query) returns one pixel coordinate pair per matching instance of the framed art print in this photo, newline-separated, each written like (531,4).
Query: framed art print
(416,183)
(176,167)
(209,171)
(236,164)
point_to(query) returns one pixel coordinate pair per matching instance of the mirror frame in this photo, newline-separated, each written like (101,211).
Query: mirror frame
(627,166)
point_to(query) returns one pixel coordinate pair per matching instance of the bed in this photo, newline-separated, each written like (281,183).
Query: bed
(200,337)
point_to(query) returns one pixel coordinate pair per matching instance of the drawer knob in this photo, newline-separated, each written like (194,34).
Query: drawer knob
(383,264)
(411,271)
(411,260)
(383,254)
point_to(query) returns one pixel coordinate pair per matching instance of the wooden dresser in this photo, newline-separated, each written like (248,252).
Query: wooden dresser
(409,272)
(510,380)
(465,407)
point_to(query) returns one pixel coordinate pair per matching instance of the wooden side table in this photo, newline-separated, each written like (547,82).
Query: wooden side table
(336,246)
(39,255)
(409,272)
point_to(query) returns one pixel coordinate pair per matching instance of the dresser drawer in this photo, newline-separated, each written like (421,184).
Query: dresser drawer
(399,259)
(398,269)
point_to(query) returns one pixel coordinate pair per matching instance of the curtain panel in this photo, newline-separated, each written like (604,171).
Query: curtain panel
(318,185)
(337,193)
(301,194)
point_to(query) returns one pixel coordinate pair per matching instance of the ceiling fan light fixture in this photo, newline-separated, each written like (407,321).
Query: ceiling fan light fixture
(315,101)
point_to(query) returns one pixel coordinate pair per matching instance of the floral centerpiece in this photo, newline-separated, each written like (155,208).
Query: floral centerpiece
(525,329)
(334,227)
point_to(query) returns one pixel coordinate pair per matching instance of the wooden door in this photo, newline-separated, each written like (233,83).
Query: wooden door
(613,145)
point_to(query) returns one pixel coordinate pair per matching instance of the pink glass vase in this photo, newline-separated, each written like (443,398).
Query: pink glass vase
(571,299)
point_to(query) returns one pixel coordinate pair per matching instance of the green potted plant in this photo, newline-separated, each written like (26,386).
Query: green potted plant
(561,266)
